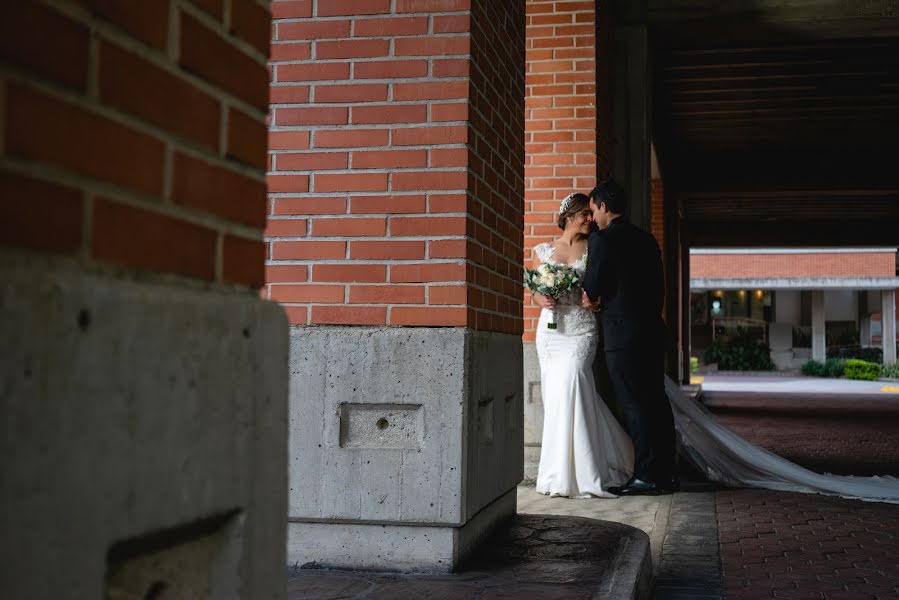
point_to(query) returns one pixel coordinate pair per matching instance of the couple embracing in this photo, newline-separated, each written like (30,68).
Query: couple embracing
(586,452)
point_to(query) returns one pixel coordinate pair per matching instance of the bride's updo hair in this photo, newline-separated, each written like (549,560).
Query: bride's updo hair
(572,205)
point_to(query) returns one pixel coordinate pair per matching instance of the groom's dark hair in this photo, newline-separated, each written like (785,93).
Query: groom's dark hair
(612,194)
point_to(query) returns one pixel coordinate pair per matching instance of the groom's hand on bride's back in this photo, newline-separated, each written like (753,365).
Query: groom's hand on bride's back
(589,304)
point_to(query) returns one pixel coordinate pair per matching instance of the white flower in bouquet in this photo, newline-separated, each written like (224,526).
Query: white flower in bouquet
(552,281)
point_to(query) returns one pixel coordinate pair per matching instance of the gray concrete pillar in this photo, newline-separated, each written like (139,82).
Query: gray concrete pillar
(819,341)
(533,412)
(888,325)
(145,437)
(405,444)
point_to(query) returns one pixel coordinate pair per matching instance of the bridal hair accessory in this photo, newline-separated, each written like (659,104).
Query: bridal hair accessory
(566,203)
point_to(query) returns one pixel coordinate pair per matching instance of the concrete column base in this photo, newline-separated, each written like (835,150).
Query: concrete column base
(533,413)
(144,444)
(391,546)
(405,444)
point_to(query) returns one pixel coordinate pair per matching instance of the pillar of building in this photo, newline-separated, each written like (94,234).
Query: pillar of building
(561,152)
(684,335)
(395,244)
(888,325)
(667,227)
(819,340)
(144,390)
(631,102)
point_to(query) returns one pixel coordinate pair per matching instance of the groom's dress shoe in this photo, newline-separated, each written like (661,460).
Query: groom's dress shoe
(638,487)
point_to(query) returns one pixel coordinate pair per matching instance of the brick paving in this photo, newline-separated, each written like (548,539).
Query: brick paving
(838,439)
(807,546)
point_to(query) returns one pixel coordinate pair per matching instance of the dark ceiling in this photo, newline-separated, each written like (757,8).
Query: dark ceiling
(779,126)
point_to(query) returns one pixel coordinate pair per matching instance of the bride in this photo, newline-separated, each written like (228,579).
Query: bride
(585,450)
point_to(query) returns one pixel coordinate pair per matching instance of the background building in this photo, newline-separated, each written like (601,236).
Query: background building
(803,302)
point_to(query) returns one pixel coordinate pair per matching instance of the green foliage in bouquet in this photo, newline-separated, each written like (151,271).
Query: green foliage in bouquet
(552,281)
(861,369)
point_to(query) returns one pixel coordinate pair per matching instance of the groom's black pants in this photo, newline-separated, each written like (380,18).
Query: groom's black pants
(637,378)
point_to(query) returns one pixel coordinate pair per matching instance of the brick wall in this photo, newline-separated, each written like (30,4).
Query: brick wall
(395,163)
(561,117)
(129,140)
(818,264)
(496,163)
(657,213)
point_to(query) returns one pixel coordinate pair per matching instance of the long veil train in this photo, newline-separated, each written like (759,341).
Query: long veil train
(727,458)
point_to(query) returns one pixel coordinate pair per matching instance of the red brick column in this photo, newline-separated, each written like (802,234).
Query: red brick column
(561,117)
(396,163)
(657,210)
(396,199)
(137,137)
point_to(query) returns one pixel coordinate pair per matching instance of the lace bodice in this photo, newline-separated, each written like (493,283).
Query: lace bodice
(572,318)
(545,253)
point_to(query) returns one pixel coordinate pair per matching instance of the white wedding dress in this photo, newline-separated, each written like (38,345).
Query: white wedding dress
(585,450)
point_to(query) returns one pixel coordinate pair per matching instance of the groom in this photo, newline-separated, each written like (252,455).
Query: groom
(624,270)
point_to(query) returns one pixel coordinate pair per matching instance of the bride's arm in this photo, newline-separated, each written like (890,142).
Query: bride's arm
(541,300)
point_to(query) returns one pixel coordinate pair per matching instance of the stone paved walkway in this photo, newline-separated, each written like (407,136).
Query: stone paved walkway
(805,546)
(682,530)
(540,557)
(689,566)
(706,545)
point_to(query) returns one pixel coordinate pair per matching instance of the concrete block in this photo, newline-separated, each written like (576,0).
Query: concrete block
(533,412)
(393,547)
(399,428)
(782,360)
(143,422)
(780,336)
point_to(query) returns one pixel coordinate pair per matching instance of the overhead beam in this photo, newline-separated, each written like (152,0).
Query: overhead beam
(682,22)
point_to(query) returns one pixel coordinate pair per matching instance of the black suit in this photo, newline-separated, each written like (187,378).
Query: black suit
(624,269)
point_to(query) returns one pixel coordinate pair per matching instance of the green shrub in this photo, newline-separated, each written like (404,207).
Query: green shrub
(834,367)
(861,369)
(813,368)
(891,370)
(694,365)
(741,351)
(866,353)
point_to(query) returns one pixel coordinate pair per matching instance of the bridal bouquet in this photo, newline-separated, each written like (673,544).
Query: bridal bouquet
(552,281)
